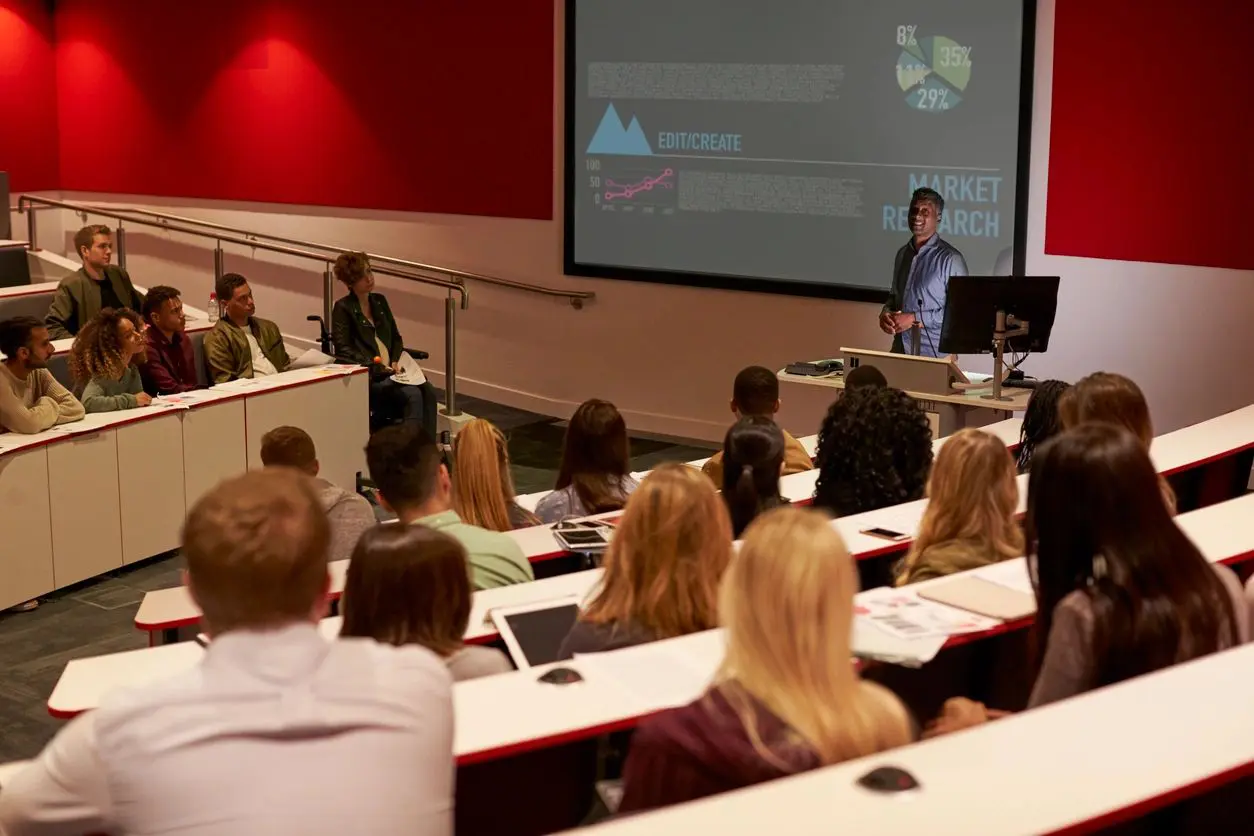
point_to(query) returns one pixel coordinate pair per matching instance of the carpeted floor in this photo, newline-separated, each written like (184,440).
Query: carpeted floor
(97,617)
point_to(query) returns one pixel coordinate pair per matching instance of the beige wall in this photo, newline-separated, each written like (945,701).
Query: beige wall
(666,355)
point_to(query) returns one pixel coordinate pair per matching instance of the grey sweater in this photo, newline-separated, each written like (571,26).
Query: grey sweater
(104,395)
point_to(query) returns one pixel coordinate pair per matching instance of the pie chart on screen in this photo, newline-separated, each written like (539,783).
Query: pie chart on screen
(933,72)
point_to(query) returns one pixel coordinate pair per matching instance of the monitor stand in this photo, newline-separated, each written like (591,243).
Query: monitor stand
(1000,335)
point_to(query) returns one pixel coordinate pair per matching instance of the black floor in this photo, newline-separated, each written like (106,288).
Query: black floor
(97,617)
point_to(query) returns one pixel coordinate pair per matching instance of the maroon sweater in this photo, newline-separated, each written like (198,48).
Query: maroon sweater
(169,367)
(702,748)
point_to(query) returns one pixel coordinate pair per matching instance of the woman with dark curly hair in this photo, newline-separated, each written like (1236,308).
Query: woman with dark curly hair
(875,450)
(1042,420)
(105,359)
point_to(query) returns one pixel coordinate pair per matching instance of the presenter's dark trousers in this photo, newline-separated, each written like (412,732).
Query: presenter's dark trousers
(392,402)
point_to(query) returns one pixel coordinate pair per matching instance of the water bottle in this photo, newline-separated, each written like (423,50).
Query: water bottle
(213,307)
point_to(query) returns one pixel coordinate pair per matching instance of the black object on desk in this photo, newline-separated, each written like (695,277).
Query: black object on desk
(888,779)
(818,368)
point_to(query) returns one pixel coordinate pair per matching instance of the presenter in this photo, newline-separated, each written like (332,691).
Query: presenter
(921,274)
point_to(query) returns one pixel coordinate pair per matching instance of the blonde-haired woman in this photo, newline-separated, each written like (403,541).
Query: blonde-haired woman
(970,517)
(104,361)
(663,565)
(483,490)
(786,698)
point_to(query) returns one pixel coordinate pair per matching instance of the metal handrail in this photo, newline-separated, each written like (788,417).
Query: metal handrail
(576,297)
(29,203)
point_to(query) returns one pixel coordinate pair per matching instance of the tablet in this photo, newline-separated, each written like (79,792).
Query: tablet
(982,597)
(533,633)
(584,535)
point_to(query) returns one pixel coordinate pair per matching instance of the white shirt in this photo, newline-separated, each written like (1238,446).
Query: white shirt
(261,364)
(273,732)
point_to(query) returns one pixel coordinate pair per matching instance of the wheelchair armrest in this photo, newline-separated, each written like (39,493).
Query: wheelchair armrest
(416,354)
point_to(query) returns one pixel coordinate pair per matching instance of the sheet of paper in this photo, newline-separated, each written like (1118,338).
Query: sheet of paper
(871,642)
(1012,574)
(904,615)
(656,673)
(978,377)
(411,373)
(310,359)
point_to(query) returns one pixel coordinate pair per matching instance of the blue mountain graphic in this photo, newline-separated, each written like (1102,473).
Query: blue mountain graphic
(612,138)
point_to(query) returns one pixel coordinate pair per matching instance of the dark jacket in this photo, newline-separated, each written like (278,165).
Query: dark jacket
(354,336)
(170,366)
(702,748)
(77,300)
(586,637)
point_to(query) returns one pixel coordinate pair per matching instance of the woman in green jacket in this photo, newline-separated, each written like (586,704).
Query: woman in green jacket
(365,333)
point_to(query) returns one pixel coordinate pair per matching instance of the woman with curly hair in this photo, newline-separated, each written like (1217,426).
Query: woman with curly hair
(105,359)
(875,450)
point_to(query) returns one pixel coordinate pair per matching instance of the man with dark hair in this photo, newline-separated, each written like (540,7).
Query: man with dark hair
(349,513)
(97,285)
(31,399)
(320,725)
(755,392)
(921,274)
(241,344)
(406,466)
(864,375)
(170,366)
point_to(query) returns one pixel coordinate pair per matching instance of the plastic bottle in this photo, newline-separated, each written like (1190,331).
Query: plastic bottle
(213,307)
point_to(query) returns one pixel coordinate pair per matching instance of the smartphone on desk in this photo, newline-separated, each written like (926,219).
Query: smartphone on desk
(885,534)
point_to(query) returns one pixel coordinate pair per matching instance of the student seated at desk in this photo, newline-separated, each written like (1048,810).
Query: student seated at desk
(786,698)
(662,567)
(1041,420)
(1113,399)
(753,458)
(170,364)
(863,375)
(105,360)
(1120,590)
(366,334)
(755,392)
(875,449)
(31,399)
(348,513)
(407,584)
(970,517)
(242,345)
(483,489)
(595,473)
(413,482)
(275,730)
(93,287)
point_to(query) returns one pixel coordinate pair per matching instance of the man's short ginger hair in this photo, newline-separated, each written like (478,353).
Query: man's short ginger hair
(256,551)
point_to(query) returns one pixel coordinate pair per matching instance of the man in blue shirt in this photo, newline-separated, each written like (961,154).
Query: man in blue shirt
(921,274)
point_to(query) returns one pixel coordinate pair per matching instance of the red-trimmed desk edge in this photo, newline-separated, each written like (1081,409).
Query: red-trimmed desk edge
(227,398)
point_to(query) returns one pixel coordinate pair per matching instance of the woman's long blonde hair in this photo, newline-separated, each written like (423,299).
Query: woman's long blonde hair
(667,556)
(787,603)
(972,497)
(482,487)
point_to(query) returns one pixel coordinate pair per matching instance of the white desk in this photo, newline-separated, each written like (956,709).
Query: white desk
(87,497)
(8,770)
(1220,531)
(1089,761)
(807,400)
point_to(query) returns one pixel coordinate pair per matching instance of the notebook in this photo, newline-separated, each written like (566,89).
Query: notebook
(981,597)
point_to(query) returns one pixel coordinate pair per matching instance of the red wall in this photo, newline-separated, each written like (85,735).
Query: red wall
(28,96)
(422,105)
(1150,155)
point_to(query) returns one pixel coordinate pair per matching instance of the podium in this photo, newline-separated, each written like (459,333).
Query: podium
(928,380)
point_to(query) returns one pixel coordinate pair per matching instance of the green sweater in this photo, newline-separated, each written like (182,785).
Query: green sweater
(77,300)
(104,395)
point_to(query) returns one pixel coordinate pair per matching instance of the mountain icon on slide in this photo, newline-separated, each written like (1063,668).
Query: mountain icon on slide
(612,138)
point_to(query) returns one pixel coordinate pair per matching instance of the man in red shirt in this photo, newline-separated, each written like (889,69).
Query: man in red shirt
(171,364)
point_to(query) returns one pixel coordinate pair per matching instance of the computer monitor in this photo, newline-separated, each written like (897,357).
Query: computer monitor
(972,304)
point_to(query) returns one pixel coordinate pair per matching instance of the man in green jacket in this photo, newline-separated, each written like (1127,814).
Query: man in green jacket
(242,345)
(96,285)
